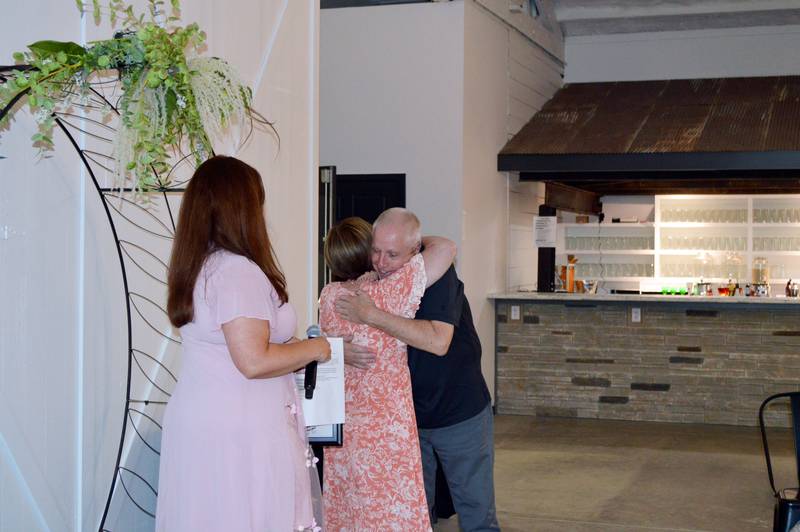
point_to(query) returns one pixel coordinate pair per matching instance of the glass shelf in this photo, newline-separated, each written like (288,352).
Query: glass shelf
(715,234)
(700,225)
(607,252)
(609,225)
(696,252)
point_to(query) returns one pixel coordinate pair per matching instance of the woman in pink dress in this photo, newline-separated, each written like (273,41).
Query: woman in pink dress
(374,481)
(234,455)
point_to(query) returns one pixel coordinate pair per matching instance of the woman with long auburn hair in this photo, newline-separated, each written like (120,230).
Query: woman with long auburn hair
(234,455)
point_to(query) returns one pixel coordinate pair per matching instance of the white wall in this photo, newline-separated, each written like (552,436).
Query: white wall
(39,285)
(738,52)
(485,211)
(63,359)
(391,101)
(506,79)
(533,78)
(435,91)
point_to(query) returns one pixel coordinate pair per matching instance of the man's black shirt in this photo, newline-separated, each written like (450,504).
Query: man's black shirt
(448,389)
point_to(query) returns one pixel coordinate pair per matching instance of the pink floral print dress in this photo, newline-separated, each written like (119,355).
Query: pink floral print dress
(374,481)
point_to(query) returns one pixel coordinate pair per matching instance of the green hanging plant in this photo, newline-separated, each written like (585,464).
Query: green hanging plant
(172,100)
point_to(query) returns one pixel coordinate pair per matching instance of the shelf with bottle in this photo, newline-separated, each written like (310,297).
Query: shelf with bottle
(707,267)
(773,226)
(727,240)
(775,211)
(606,252)
(692,278)
(698,252)
(609,243)
(608,226)
(779,253)
(609,271)
(706,209)
(788,267)
(784,239)
(700,225)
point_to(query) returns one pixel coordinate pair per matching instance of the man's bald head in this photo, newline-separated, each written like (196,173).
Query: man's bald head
(404,222)
(396,237)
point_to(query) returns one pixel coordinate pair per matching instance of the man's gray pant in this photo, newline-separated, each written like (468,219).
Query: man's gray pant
(466,451)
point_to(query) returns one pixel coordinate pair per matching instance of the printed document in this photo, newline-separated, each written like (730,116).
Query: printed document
(327,405)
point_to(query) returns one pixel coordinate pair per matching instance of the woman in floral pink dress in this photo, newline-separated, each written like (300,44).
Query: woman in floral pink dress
(374,481)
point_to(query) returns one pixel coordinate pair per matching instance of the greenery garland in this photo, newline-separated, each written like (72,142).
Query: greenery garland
(173,100)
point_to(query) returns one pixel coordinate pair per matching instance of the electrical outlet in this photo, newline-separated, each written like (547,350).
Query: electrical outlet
(515,312)
(636,315)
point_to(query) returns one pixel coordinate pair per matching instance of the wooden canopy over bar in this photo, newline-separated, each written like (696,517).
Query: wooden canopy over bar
(737,135)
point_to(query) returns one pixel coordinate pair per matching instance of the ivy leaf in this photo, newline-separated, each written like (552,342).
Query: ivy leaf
(49,49)
(103,61)
(79,3)
(153,79)
(19,57)
(171,104)
(61,57)
(42,138)
(96,11)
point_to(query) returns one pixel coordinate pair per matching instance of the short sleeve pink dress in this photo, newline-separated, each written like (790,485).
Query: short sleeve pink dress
(374,481)
(234,454)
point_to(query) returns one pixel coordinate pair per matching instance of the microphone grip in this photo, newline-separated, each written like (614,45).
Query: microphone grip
(310,379)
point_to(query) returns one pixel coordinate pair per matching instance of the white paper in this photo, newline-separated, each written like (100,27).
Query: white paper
(321,431)
(544,231)
(327,405)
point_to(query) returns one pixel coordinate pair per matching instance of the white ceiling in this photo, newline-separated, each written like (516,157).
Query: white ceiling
(605,17)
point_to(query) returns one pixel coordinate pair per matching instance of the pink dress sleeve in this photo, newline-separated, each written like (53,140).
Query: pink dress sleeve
(400,292)
(239,289)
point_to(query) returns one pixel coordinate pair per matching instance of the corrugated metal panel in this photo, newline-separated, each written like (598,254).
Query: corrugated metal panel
(551,130)
(748,90)
(579,95)
(783,132)
(691,92)
(643,93)
(788,89)
(609,130)
(736,126)
(671,128)
(697,115)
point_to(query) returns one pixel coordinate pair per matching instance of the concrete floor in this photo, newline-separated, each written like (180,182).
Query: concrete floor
(578,475)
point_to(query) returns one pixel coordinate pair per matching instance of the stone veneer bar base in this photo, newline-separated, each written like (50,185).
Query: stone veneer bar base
(685,362)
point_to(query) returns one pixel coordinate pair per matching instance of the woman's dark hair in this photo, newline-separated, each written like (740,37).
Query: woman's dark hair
(222,208)
(348,249)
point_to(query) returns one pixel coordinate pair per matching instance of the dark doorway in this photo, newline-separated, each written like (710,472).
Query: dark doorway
(345,195)
(368,195)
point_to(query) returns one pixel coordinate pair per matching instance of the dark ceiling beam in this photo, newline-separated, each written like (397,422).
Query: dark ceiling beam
(335,4)
(679,22)
(567,198)
(638,163)
(647,188)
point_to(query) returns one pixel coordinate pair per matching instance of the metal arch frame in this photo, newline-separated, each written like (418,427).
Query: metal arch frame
(101,191)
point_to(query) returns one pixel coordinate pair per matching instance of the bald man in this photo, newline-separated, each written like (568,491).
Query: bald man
(451,400)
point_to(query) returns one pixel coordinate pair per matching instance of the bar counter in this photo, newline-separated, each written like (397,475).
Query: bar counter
(692,359)
(572,297)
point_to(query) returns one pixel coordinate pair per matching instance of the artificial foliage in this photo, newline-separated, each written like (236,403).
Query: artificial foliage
(173,101)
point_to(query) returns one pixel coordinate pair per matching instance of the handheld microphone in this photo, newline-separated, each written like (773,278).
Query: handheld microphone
(310,378)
